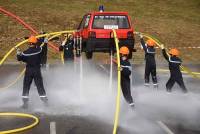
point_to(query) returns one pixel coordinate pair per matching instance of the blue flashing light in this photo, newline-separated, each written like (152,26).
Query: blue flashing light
(101,8)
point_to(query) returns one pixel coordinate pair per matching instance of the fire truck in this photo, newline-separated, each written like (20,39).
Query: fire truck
(95,31)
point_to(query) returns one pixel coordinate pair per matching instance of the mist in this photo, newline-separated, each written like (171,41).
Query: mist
(87,94)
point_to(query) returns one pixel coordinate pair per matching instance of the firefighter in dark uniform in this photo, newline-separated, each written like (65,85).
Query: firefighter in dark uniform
(43,41)
(32,58)
(150,66)
(125,75)
(174,67)
(68,47)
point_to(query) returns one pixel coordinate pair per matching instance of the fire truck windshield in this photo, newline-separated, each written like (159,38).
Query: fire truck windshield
(110,22)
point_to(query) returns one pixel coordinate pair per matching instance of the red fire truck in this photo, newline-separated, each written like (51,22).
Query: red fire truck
(95,30)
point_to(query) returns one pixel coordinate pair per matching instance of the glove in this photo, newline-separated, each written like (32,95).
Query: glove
(120,68)
(162,46)
(137,33)
(45,40)
(141,36)
(63,43)
(18,51)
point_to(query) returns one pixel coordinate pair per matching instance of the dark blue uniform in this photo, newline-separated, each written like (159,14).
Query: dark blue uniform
(150,66)
(32,58)
(125,80)
(44,51)
(175,73)
(68,50)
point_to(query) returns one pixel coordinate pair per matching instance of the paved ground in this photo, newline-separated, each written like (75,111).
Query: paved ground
(85,104)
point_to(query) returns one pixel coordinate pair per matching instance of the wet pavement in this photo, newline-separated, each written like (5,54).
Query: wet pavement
(82,101)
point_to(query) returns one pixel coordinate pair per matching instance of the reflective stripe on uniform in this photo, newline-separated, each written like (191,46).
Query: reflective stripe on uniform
(146,84)
(132,104)
(129,67)
(172,61)
(32,53)
(25,97)
(44,96)
(150,52)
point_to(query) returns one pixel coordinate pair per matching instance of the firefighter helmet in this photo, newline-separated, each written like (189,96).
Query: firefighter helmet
(32,39)
(174,52)
(124,50)
(150,43)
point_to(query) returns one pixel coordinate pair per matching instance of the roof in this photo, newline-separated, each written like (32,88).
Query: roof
(106,13)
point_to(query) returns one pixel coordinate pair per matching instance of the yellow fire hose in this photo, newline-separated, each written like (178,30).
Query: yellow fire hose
(62,57)
(21,115)
(25,41)
(12,83)
(193,74)
(36,120)
(62,53)
(185,69)
(23,71)
(116,119)
(167,70)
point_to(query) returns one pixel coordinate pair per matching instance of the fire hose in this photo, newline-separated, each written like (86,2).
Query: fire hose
(28,27)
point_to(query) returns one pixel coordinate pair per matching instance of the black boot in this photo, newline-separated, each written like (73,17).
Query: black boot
(185,91)
(132,105)
(44,99)
(169,90)
(146,84)
(155,85)
(25,103)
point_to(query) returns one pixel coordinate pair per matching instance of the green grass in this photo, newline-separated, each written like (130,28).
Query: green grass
(175,22)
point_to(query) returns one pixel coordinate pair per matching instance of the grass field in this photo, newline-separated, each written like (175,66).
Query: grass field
(175,22)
